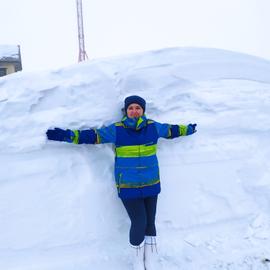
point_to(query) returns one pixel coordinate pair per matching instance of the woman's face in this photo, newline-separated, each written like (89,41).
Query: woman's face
(134,110)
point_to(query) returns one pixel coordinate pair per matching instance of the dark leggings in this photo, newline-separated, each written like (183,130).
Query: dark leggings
(142,213)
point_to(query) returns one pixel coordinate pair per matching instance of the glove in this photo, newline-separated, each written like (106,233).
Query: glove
(191,128)
(58,134)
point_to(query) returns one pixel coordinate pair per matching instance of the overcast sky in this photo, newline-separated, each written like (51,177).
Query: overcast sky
(47,29)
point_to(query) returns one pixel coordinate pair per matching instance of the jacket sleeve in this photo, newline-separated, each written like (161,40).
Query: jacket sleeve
(94,136)
(169,131)
(106,134)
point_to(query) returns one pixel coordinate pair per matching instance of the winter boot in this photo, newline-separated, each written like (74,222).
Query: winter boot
(138,257)
(151,253)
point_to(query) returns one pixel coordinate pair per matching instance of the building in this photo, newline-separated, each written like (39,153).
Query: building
(10,59)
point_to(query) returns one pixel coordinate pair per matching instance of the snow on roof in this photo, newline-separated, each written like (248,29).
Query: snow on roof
(9,51)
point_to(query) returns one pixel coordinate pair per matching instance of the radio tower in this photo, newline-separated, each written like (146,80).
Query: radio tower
(82,53)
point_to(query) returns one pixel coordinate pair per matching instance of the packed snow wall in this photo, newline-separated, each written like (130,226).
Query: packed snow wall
(215,184)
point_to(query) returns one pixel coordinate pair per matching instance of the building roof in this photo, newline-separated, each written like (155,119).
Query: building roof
(9,53)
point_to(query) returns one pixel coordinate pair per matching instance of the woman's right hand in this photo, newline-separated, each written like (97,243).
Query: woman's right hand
(58,134)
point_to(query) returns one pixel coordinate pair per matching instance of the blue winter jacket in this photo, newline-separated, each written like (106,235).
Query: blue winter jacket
(135,140)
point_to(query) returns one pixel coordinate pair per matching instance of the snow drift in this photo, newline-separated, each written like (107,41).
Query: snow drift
(58,203)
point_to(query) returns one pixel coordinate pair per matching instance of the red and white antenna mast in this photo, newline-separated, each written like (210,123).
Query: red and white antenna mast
(82,53)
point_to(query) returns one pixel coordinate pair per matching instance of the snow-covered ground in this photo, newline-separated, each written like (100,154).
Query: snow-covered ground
(59,208)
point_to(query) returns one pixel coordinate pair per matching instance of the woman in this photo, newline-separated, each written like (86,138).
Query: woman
(136,170)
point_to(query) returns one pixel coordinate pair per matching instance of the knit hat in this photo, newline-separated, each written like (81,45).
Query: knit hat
(134,99)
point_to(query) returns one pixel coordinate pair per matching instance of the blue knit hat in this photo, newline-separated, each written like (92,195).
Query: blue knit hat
(134,99)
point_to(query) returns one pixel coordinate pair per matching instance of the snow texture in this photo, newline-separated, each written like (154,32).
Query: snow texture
(59,208)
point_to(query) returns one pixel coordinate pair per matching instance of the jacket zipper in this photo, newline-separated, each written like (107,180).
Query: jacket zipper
(119,182)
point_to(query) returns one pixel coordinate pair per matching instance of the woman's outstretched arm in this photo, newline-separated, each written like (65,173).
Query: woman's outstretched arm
(169,131)
(87,136)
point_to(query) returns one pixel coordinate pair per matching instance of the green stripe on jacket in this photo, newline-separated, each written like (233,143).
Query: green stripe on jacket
(183,130)
(75,139)
(136,150)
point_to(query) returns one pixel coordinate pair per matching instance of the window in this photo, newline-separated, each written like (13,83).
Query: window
(3,71)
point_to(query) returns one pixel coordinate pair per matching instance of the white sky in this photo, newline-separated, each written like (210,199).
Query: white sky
(47,29)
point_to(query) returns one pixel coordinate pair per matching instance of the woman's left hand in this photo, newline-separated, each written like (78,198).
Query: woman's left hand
(191,128)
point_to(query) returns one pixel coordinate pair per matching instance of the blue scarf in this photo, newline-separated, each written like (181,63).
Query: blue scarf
(135,123)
